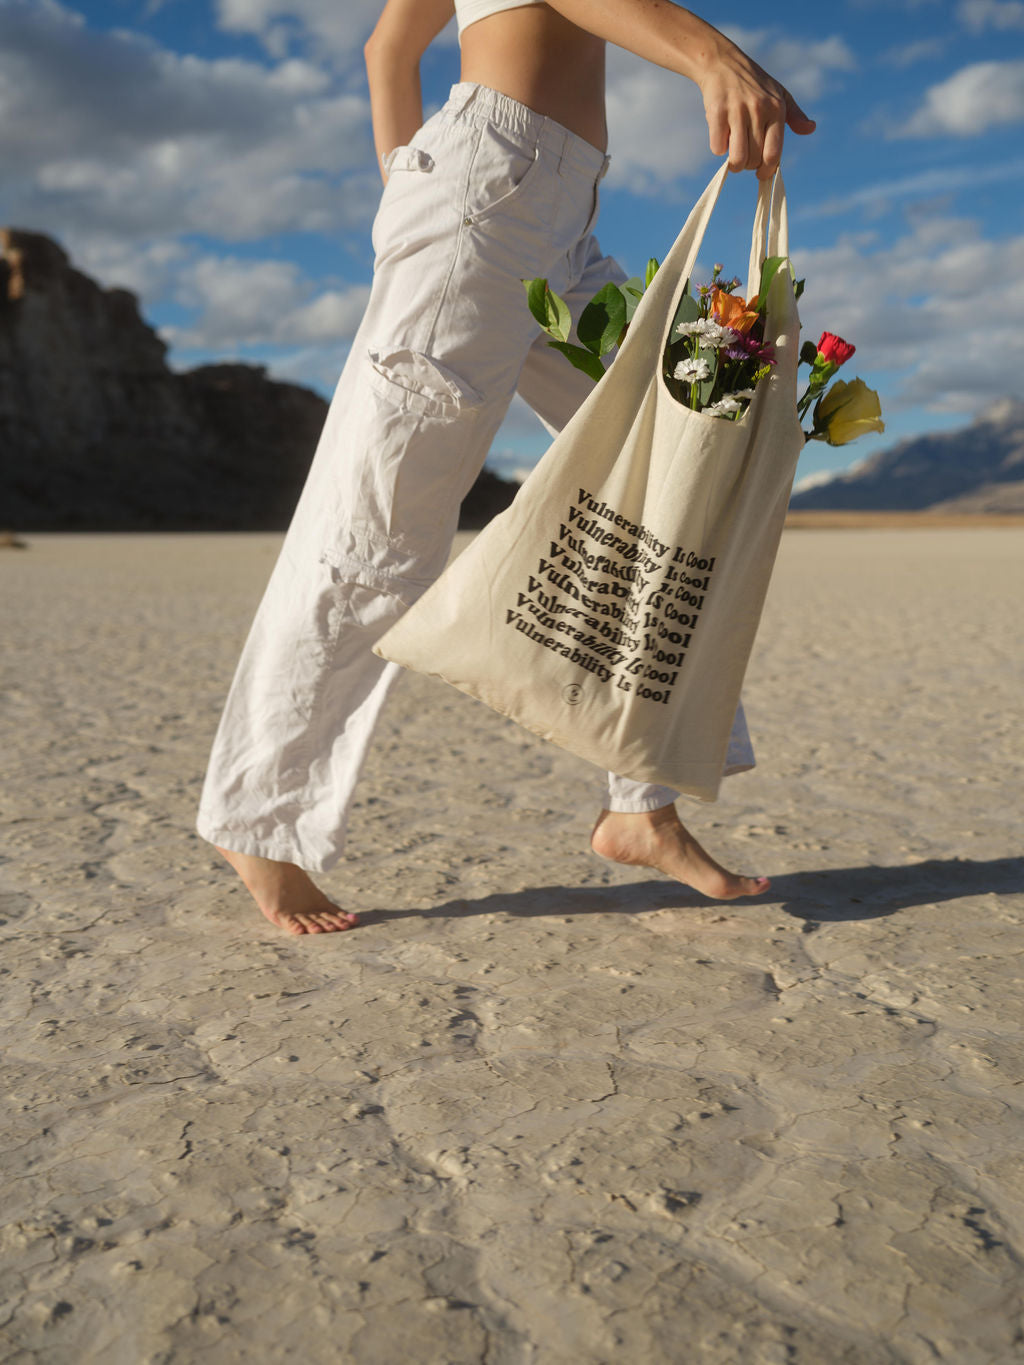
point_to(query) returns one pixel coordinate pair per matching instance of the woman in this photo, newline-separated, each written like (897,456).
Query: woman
(500,184)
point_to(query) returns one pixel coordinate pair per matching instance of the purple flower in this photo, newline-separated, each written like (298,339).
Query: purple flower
(745,347)
(727,286)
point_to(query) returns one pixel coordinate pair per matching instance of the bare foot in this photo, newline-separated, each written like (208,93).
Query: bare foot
(658,839)
(286,895)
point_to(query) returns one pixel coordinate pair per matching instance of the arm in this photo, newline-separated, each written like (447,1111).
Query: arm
(392,53)
(746,109)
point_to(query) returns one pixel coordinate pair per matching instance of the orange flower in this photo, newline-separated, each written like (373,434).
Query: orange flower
(733,311)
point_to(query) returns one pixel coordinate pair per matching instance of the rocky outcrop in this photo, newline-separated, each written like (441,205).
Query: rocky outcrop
(978,468)
(98,433)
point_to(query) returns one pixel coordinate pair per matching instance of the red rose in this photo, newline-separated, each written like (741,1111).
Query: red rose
(834,349)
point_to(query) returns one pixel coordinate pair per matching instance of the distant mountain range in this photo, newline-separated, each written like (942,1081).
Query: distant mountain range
(98,433)
(977,468)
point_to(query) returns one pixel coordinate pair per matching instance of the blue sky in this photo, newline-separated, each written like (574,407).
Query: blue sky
(215,156)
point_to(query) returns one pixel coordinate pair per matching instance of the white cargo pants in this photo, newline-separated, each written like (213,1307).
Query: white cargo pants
(490,193)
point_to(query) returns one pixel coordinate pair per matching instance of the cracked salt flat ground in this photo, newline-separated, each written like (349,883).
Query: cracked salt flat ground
(538,1109)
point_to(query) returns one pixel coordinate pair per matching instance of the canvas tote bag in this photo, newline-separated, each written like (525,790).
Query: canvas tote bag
(612,607)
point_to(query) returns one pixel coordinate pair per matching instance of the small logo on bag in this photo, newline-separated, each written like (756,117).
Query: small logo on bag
(573,694)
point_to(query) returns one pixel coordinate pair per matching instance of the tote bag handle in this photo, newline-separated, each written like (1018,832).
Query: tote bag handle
(771,229)
(769,236)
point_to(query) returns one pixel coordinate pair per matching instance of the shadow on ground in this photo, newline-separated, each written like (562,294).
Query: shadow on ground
(828,896)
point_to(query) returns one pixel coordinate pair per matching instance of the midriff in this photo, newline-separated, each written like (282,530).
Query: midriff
(537,57)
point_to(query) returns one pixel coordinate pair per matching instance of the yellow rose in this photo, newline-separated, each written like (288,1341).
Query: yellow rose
(846,411)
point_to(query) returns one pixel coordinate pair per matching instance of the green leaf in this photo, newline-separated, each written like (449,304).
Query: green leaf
(536,299)
(550,311)
(602,320)
(583,360)
(688,311)
(705,387)
(650,272)
(798,288)
(768,272)
(632,292)
(808,353)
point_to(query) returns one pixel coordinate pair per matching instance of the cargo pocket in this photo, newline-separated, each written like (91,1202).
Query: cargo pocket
(414,455)
(426,453)
(407,159)
(361,601)
(401,205)
(418,383)
(359,595)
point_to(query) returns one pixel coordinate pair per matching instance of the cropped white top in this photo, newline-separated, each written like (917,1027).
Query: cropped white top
(469,11)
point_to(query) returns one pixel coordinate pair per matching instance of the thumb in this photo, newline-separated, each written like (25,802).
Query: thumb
(796,118)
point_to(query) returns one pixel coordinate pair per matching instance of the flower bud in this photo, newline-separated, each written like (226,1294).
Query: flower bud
(834,349)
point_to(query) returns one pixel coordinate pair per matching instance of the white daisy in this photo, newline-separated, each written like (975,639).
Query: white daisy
(711,334)
(692,371)
(724,407)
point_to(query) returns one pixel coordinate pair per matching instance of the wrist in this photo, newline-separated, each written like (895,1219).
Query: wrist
(706,51)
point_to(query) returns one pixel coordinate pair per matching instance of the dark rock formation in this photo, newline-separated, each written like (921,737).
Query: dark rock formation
(978,468)
(490,495)
(98,433)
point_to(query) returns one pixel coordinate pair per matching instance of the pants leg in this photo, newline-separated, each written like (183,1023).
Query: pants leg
(490,192)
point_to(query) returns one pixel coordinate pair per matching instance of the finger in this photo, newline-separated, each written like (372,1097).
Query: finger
(754,154)
(718,129)
(796,118)
(755,138)
(739,144)
(771,154)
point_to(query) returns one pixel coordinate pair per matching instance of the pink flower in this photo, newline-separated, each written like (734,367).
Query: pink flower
(834,349)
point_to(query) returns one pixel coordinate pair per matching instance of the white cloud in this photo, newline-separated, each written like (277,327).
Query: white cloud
(980,96)
(332,28)
(804,66)
(657,130)
(936,307)
(110,133)
(331,316)
(242,303)
(521,421)
(1004,15)
(894,4)
(909,54)
(315,367)
(149,269)
(509,464)
(879,197)
(816,480)
(340,26)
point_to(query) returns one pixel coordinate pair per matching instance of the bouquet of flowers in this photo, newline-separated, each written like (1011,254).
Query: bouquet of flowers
(716,353)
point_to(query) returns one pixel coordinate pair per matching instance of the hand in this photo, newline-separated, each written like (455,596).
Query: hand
(748,112)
